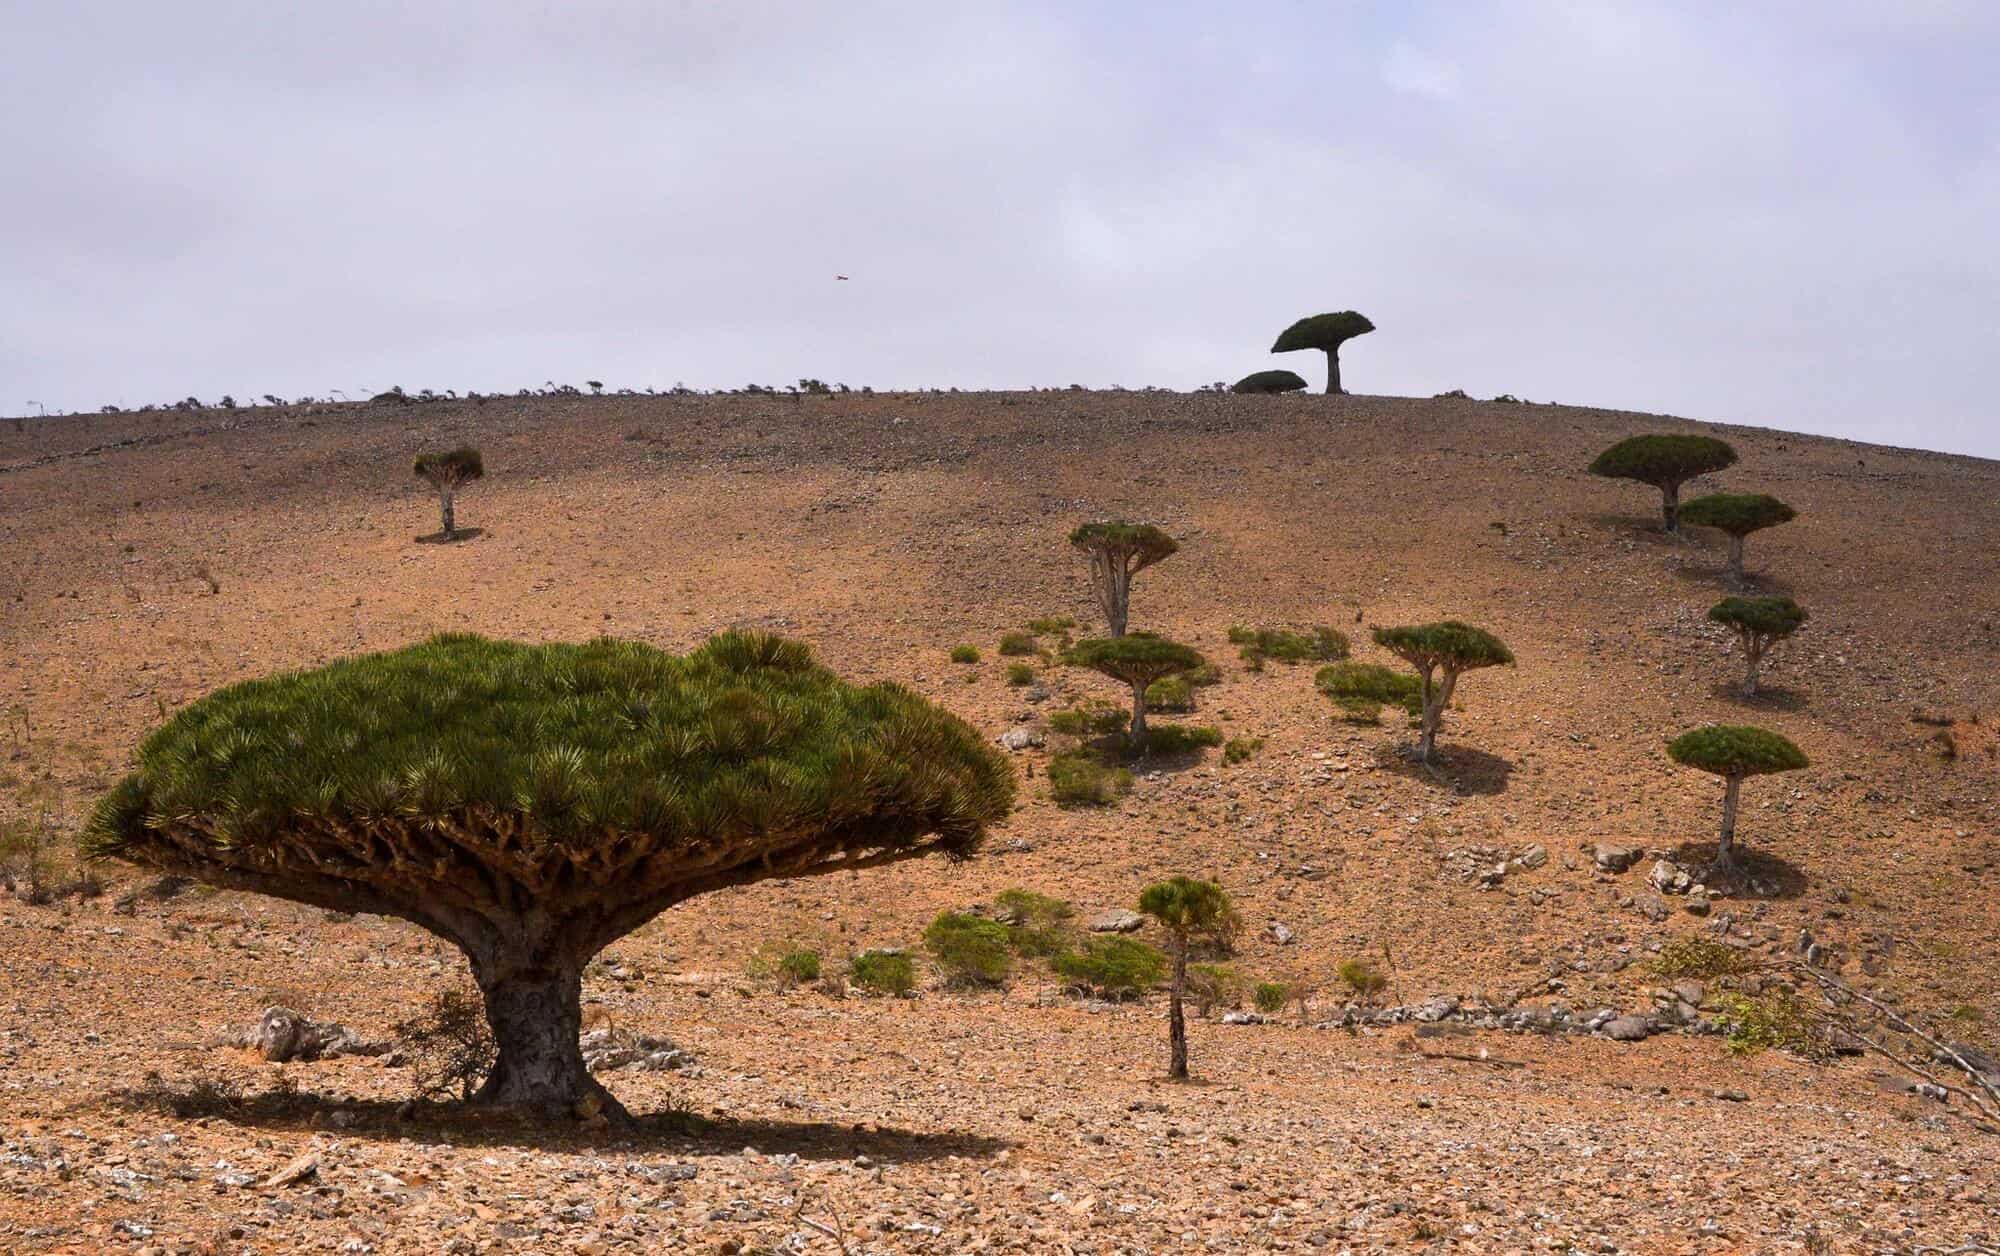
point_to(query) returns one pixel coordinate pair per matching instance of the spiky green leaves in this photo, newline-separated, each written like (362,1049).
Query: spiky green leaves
(1361,690)
(1447,644)
(574,751)
(1267,382)
(1772,618)
(1735,750)
(1137,545)
(1190,908)
(1738,514)
(1323,331)
(1663,459)
(450,468)
(1137,659)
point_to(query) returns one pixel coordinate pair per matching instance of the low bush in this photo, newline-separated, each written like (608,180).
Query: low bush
(1017,643)
(1051,625)
(1270,996)
(449,1043)
(1037,924)
(1078,779)
(964,654)
(1019,674)
(1115,967)
(883,972)
(1361,978)
(1092,718)
(1256,645)
(1778,1018)
(1702,959)
(1172,694)
(1210,986)
(1241,749)
(1361,690)
(969,951)
(1171,739)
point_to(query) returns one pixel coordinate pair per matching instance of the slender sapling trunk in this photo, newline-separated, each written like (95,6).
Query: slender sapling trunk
(1177,1066)
(1732,786)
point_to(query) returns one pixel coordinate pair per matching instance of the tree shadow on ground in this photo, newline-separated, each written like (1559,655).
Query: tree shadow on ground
(672,1132)
(1644,528)
(1753,584)
(1769,697)
(458,538)
(1757,873)
(1458,768)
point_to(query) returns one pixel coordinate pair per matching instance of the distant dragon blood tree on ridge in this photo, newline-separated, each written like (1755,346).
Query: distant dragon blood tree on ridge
(531,804)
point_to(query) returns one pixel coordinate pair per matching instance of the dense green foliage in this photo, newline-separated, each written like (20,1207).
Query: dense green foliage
(1241,749)
(1170,693)
(1361,690)
(1017,643)
(1447,644)
(1135,659)
(1037,924)
(744,740)
(1114,966)
(451,467)
(1663,459)
(1703,959)
(799,966)
(1051,625)
(1321,644)
(1361,978)
(1322,331)
(1080,779)
(1736,750)
(1267,382)
(1738,514)
(1020,675)
(1172,739)
(1270,997)
(1092,717)
(1190,907)
(965,654)
(1768,617)
(883,972)
(969,950)
(1140,545)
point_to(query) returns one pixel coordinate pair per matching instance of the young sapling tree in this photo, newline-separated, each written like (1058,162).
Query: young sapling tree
(1734,752)
(447,473)
(1759,624)
(1441,652)
(1190,911)
(1117,552)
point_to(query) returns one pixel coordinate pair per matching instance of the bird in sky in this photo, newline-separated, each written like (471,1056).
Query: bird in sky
(840,276)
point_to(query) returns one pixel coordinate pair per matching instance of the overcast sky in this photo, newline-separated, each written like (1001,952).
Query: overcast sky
(1785,214)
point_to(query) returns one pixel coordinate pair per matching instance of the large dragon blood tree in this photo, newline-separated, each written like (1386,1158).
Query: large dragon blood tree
(531,804)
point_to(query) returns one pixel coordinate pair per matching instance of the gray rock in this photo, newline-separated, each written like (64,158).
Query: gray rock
(1628,1028)
(1532,857)
(1615,858)
(1118,922)
(1019,739)
(1667,878)
(1692,992)
(1436,1008)
(1653,907)
(282,1034)
(1243,1018)
(1278,934)
(1697,903)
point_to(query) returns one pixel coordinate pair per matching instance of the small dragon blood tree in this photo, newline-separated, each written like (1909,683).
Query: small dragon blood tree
(531,804)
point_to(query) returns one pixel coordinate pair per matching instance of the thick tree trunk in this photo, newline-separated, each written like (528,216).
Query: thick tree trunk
(1754,654)
(1177,1069)
(1736,559)
(1333,372)
(1670,506)
(536,1014)
(1730,790)
(450,524)
(1113,582)
(1433,714)
(1139,717)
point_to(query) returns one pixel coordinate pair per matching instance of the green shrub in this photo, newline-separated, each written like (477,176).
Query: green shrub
(1019,674)
(1091,718)
(1170,693)
(784,965)
(1269,382)
(799,967)
(1240,749)
(1361,978)
(1017,643)
(1210,986)
(964,654)
(1321,644)
(883,972)
(1078,779)
(1037,924)
(1778,1018)
(1051,625)
(1171,739)
(1114,966)
(1701,958)
(1361,690)
(1271,996)
(969,950)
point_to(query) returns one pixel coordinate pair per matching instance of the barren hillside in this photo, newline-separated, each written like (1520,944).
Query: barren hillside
(151,558)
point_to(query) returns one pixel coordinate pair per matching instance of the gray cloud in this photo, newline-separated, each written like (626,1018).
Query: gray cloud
(1782,218)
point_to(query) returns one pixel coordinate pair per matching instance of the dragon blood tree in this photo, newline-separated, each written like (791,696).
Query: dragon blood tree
(1759,623)
(1734,752)
(1326,332)
(531,804)
(1117,552)
(1137,660)
(447,473)
(1665,461)
(1441,652)
(1190,911)
(1738,514)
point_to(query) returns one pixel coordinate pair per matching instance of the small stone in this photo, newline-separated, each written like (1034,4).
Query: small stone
(1614,858)
(303,1166)
(1278,934)
(1628,1028)
(1532,857)
(1731,1096)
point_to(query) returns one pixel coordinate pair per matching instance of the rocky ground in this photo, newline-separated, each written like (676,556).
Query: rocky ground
(151,558)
